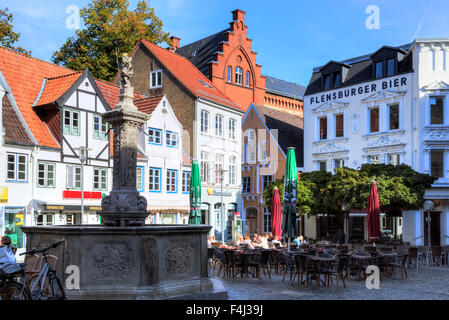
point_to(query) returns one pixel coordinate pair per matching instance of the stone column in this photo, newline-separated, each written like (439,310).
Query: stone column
(124,206)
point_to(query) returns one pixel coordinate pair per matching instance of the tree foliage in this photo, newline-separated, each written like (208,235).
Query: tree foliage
(7,35)
(110,29)
(399,187)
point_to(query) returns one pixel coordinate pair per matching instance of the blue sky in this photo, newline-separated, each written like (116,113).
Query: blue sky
(291,36)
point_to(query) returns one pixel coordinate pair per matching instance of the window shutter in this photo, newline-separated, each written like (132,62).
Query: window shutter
(70,183)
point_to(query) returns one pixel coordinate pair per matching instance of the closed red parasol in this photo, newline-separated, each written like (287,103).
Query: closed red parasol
(276,214)
(373,214)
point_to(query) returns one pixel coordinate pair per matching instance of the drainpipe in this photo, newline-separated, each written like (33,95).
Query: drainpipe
(33,165)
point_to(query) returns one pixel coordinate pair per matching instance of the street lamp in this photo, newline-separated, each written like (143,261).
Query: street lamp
(429,205)
(83,158)
(222,171)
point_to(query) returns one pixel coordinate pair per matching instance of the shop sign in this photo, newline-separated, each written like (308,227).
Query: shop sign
(73,194)
(212,192)
(3,194)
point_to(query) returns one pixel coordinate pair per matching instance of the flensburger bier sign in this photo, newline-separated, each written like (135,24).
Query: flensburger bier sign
(359,90)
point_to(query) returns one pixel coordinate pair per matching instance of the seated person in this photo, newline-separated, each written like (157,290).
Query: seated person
(264,242)
(8,261)
(299,240)
(247,241)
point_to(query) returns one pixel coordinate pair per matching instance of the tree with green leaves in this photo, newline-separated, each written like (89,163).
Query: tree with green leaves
(110,30)
(7,35)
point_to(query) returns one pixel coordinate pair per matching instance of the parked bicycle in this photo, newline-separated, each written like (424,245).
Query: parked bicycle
(11,287)
(46,284)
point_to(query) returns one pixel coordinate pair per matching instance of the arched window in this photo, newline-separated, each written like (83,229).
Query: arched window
(229,74)
(238,75)
(248,82)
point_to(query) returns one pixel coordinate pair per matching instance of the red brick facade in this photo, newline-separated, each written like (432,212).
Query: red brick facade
(237,53)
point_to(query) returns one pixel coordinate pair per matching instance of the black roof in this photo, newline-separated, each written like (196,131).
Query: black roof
(289,128)
(284,88)
(201,52)
(360,71)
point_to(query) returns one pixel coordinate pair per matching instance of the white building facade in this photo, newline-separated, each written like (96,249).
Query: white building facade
(163,168)
(388,107)
(218,148)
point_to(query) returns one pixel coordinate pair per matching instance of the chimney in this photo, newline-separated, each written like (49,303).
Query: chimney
(175,41)
(238,15)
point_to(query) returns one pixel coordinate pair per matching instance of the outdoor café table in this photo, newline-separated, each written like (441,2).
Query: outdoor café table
(318,262)
(361,261)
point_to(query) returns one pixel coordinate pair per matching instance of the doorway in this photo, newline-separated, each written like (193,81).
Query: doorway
(251,221)
(435,230)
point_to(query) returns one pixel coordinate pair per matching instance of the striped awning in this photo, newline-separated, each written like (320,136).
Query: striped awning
(168,209)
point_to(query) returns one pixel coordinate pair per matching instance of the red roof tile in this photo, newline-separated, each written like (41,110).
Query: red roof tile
(55,87)
(111,92)
(188,74)
(24,75)
(148,105)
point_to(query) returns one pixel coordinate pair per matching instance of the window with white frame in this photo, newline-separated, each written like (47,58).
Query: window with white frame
(322,165)
(323,128)
(139,179)
(186,182)
(251,135)
(204,167)
(71,122)
(229,74)
(204,121)
(436,110)
(155,136)
(232,170)
(263,150)
(232,127)
(100,179)
(219,162)
(375,158)
(339,126)
(251,152)
(154,178)
(156,79)
(172,183)
(100,128)
(73,177)
(45,219)
(393,116)
(219,125)
(374,119)
(266,220)
(437,163)
(339,163)
(393,158)
(246,183)
(266,180)
(46,174)
(238,75)
(16,165)
(171,139)
(248,79)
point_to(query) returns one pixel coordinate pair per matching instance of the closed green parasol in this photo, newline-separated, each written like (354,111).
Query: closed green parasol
(195,194)
(289,229)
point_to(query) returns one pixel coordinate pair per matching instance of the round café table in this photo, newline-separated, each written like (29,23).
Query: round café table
(318,262)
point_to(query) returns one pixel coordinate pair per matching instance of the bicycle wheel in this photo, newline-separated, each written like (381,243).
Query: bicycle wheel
(14,291)
(44,294)
(57,288)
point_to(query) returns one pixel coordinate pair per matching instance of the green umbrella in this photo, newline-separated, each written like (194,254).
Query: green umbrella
(195,194)
(289,229)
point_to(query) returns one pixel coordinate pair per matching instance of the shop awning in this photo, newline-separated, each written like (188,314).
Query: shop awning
(168,209)
(361,213)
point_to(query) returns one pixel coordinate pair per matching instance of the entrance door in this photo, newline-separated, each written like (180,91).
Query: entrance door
(435,231)
(251,219)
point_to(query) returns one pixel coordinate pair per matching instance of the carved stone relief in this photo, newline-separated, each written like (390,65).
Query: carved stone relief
(179,258)
(109,262)
(355,123)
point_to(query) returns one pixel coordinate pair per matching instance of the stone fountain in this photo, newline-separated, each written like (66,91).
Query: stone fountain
(123,258)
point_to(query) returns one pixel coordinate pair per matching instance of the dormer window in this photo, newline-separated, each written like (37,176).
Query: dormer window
(379,66)
(327,82)
(337,79)
(390,67)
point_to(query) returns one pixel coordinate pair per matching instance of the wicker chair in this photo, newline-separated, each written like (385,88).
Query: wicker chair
(342,265)
(413,255)
(289,265)
(401,266)
(436,256)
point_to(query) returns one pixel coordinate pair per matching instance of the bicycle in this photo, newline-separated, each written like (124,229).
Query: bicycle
(10,288)
(46,285)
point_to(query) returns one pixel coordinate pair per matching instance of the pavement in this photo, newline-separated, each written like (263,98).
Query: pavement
(428,283)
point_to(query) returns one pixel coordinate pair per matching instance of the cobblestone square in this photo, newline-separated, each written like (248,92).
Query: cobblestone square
(428,283)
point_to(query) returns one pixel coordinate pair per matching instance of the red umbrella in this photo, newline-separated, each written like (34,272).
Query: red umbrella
(373,214)
(276,214)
